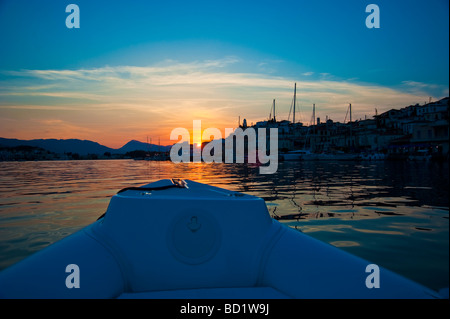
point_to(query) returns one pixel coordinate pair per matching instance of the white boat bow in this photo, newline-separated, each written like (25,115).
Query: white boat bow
(183,239)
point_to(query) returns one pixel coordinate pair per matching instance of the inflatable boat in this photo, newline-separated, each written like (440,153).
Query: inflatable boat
(182,239)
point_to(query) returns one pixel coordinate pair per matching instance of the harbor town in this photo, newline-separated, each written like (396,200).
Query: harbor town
(414,132)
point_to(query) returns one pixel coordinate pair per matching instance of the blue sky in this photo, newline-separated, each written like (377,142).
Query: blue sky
(130,62)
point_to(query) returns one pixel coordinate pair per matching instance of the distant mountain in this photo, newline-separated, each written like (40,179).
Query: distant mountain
(82,147)
(140,146)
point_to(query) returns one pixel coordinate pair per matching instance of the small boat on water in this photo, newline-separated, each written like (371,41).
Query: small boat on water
(183,239)
(306,155)
(373,157)
(297,155)
(420,155)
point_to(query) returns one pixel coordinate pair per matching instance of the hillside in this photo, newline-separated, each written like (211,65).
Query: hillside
(82,147)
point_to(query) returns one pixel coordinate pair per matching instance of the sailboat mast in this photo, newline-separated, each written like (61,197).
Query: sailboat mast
(351,133)
(314,127)
(350,106)
(314,119)
(295,96)
(274,118)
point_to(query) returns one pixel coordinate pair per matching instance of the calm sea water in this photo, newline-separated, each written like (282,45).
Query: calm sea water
(394,214)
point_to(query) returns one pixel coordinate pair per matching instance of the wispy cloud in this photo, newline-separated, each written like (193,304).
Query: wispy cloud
(171,94)
(421,88)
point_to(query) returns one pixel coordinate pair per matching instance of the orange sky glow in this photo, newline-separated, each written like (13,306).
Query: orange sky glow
(113,105)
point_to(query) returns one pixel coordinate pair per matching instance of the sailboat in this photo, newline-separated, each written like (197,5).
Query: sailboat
(159,156)
(306,154)
(301,154)
(340,155)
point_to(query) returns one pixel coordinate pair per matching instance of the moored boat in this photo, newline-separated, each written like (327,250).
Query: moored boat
(297,155)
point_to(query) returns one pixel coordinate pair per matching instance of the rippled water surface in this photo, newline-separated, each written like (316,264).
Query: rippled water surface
(394,214)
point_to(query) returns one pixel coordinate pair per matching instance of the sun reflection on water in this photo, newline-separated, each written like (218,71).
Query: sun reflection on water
(375,210)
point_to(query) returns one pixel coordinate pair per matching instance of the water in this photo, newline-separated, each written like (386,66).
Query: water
(394,214)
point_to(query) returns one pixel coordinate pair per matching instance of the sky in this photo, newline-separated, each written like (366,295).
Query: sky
(138,69)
